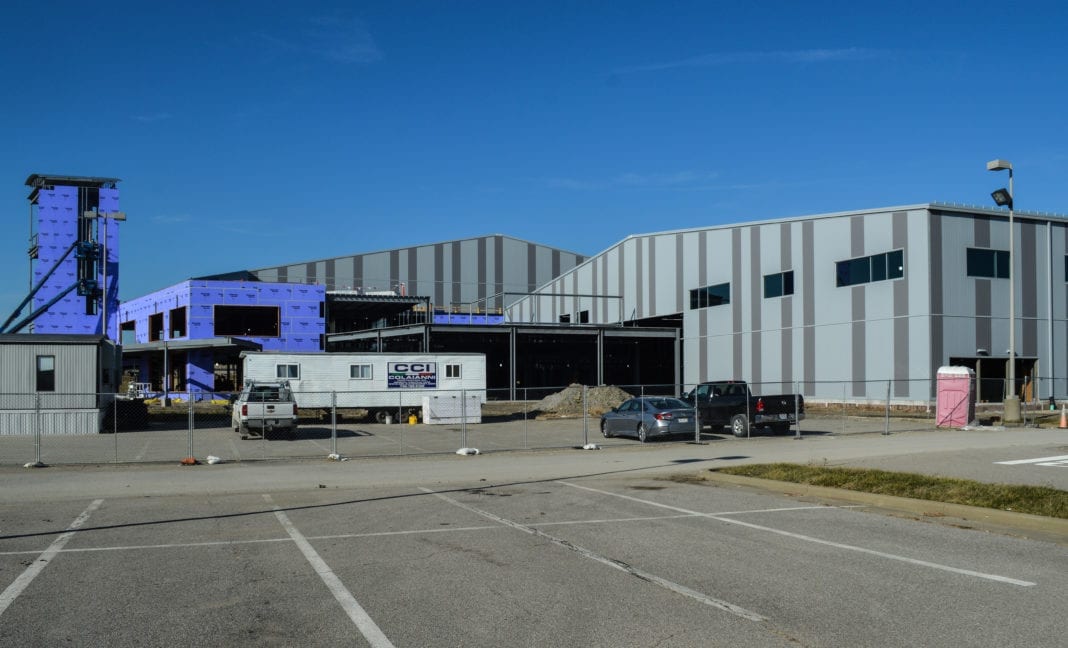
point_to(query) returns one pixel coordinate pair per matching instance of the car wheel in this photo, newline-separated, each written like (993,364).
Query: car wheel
(604,430)
(643,434)
(740,425)
(380,416)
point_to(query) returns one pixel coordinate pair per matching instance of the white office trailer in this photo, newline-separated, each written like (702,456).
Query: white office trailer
(391,387)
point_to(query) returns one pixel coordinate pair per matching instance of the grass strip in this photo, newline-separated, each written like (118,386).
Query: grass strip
(1036,500)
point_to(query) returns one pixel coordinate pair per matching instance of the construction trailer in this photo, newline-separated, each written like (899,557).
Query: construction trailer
(56,384)
(436,388)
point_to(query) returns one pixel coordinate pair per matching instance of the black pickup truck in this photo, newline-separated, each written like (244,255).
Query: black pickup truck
(729,403)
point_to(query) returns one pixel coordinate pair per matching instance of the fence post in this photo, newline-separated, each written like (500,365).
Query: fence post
(797,413)
(463,418)
(115,424)
(37,430)
(189,400)
(333,422)
(585,418)
(886,429)
(696,417)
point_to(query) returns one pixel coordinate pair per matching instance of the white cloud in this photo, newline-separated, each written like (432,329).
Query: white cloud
(168,219)
(152,117)
(674,180)
(718,59)
(345,40)
(334,38)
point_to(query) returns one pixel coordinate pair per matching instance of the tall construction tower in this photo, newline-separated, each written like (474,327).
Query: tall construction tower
(74,257)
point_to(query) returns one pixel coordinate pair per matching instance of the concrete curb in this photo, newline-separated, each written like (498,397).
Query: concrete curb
(1022,522)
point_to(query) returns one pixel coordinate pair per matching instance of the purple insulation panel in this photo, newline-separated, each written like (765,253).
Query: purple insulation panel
(57,229)
(200,371)
(300,325)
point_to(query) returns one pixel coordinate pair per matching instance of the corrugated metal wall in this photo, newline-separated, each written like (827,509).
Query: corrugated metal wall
(75,369)
(838,342)
(477,270)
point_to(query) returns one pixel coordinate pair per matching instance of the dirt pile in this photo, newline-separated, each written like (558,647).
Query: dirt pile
(569,401)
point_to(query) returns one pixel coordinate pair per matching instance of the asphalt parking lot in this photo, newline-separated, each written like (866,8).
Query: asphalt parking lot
(556,548)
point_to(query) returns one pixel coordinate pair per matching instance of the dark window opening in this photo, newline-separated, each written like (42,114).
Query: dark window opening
(565,319)
(584,317)
(779,284)
(155,327)
(178,328)
(257,321)
(718,295)
(989,264)
(46,373)
(862,270)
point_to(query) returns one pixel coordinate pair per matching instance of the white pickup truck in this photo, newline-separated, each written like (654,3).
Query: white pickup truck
(265,406)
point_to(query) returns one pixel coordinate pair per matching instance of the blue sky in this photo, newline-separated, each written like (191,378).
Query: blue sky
(250,134)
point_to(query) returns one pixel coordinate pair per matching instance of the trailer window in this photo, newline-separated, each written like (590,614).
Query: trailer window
(46,373)
(360,371)
(452,371)
(288,371)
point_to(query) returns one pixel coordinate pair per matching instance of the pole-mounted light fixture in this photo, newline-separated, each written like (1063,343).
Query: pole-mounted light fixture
(1003,197)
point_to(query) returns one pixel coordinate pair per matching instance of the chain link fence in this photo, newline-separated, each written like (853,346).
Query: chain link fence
(46,428)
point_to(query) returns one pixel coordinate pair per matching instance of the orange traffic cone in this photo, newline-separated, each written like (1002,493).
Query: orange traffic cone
(1064,420)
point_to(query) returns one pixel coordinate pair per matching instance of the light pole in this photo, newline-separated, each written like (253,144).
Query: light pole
(1003,198)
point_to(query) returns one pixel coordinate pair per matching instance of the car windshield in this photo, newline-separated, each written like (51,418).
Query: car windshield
(668,404)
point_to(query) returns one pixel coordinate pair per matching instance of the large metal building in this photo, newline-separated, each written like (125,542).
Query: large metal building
(484,273)
(843,305)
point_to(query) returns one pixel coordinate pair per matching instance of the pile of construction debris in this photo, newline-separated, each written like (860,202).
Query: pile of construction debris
(568,402)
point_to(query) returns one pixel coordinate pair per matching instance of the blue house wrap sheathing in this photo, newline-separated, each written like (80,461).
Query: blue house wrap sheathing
(178,337)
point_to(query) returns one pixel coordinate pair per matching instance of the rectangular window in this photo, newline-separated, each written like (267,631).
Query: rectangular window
(584,317)
(565,319)
(718,295)
(360,371)
(46,373)
(878,267)
(128,333)
(452,371)
(779,284)
(178,328)
(990,264)
(254,321)
(288,371)
(155,327)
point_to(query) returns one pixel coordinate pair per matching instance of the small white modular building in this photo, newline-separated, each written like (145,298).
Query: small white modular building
(56,384)
(392,385)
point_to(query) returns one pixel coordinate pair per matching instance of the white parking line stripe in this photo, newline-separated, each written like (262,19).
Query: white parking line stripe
(1027,461)
(25,578)
(615,564)
(367,627)
(376,534)
(798,536)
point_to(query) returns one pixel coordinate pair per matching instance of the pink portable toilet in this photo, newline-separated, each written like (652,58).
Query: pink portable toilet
(956,397)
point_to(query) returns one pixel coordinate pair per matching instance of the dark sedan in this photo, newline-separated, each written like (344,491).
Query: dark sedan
(647,417)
